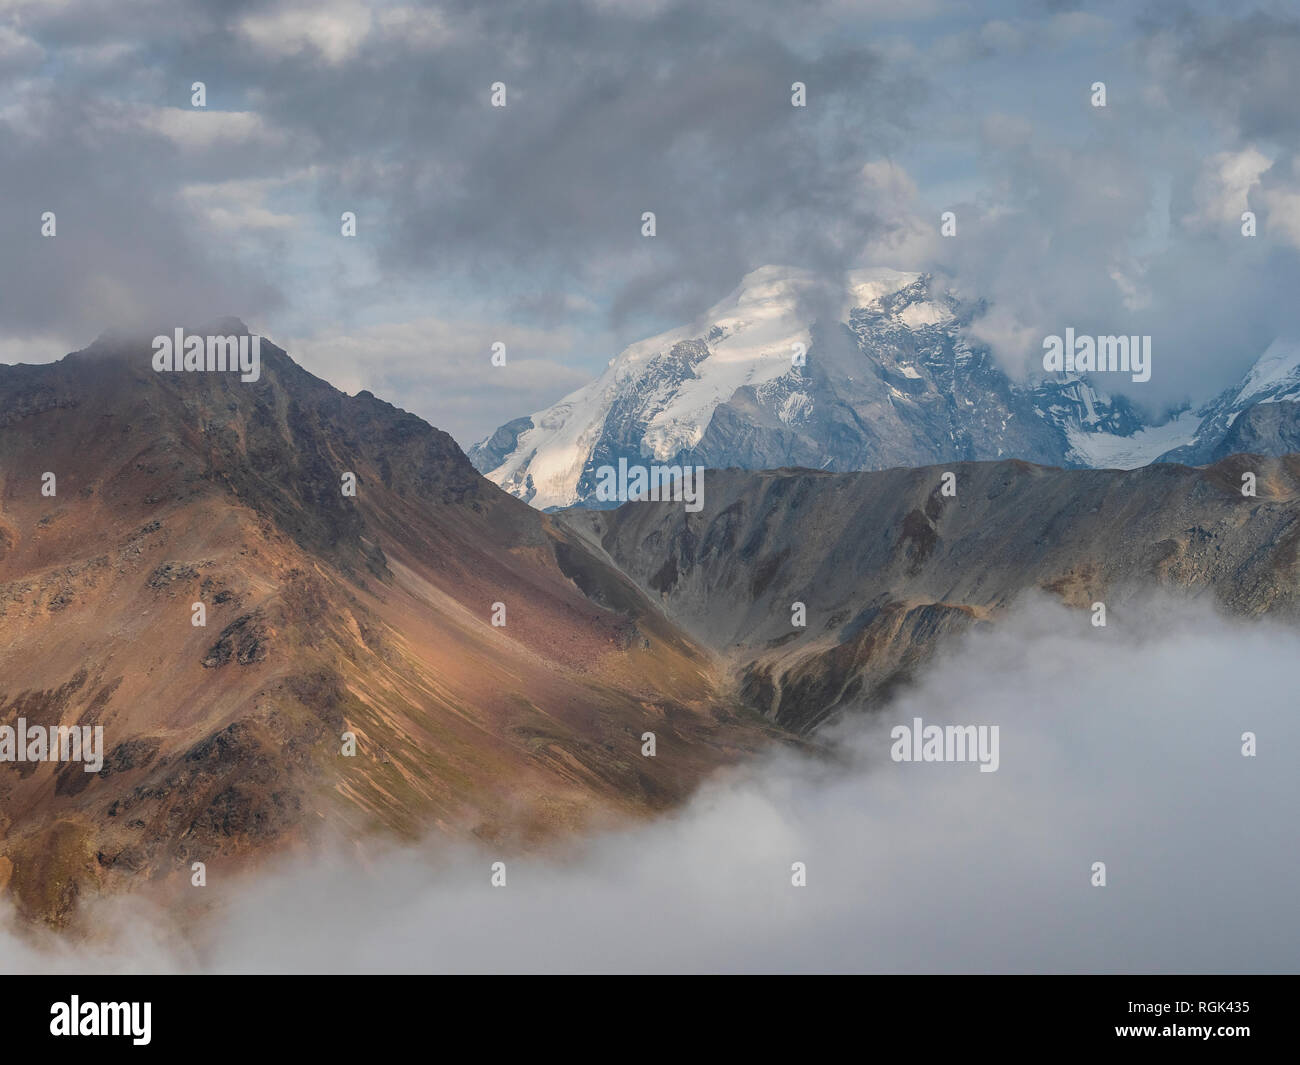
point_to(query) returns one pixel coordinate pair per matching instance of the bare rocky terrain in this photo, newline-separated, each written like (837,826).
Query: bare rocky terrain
(326,615)
(371,615)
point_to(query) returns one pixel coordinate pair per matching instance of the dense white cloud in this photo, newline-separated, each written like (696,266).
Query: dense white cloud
(335,29)
(1120,745)
(1222,189)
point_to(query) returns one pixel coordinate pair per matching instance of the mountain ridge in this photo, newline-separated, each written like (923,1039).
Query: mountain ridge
(371,616)
(887,566)
(325,614)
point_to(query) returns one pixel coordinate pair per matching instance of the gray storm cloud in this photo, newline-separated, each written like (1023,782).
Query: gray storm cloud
(1120,745)
(1068,215)
(682,110)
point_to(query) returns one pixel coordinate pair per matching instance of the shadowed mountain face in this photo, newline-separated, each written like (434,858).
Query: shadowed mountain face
(326,614)
(886,565)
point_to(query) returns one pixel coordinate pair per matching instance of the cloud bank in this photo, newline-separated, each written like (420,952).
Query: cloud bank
(1120,745)
(494,221)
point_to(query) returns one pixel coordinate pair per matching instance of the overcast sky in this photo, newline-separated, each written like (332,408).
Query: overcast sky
(522,224)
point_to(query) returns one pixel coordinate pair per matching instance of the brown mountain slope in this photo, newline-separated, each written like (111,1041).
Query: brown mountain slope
(886,565)
(325,614)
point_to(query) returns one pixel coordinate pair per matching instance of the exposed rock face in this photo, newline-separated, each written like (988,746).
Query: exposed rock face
(1262,429)
(887,566)
(1260,410)
(325,614)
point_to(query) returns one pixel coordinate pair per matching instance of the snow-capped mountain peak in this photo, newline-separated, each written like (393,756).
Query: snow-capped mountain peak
(1275,377)
(1259,414)
(893,380)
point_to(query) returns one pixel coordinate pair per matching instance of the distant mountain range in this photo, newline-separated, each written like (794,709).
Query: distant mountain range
(372,615)
(888,567)
(893,382)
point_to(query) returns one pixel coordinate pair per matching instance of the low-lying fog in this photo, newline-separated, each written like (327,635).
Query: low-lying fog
(1120,745)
